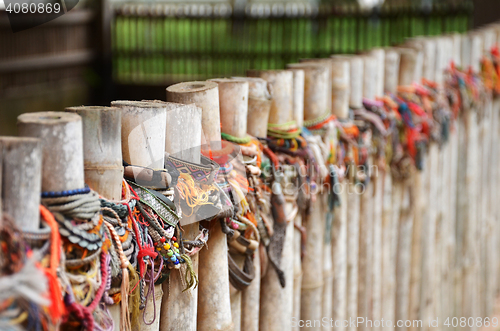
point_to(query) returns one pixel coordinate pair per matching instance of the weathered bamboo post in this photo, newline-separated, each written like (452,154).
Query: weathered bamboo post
(102,153)
(298,96)
(233,98)
(340,86)
(259,104)
(143,144)
(492,226)
(377,180)
(102,158)
(389,222)
(446,224)
(298,116)
(467,290)
(276,303)
(62,149)
(340,108)
(317,105)
(410,71)
(422,180)
(353,200)
(494,178)
(366,211)
(317,285)
(214,307)
(178,308)
(199,93)
(21,180)
(489,38)
(452,198)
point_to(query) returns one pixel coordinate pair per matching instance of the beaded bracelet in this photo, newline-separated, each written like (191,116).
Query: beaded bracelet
(58,194)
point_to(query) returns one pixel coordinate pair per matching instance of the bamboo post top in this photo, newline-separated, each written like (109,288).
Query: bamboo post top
(341,80)
(182,120)
(317,88)
(379,55)
(410,66)
(101,134)
(20,176)
(102,153)
(457,42)
(143,133)
(233,98)
(357,69)
(48,118)
(192,87)
(259,105)
(391,72)
(137,106)
(206,96)
(298,95)
(281,83)
(428,48)
(62,147)
(369,73)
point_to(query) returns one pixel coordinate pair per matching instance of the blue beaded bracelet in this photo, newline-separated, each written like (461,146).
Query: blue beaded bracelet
(52,194)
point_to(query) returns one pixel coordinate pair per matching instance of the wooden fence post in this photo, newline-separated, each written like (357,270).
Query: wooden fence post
(259,104)
(62,149)
(389,222)
(353,200)
(410,71)
(21,181)
(102,158)
(317,279)
(276,303)
(143,144)
(233,98)
(365,262)
(214,307)
(298,116)
(178,308)
(377,180)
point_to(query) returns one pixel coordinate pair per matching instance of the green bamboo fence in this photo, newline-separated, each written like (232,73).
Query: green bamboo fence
(151,46)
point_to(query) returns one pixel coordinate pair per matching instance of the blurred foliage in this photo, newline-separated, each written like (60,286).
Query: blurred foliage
(157,48)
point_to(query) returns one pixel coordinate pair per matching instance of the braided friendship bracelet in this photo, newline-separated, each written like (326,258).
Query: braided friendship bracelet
(233,139)
(58,194)
(43,233)
(288,130)
(315,121)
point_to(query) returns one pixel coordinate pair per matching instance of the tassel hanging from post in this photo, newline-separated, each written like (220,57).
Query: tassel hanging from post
(125,287)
